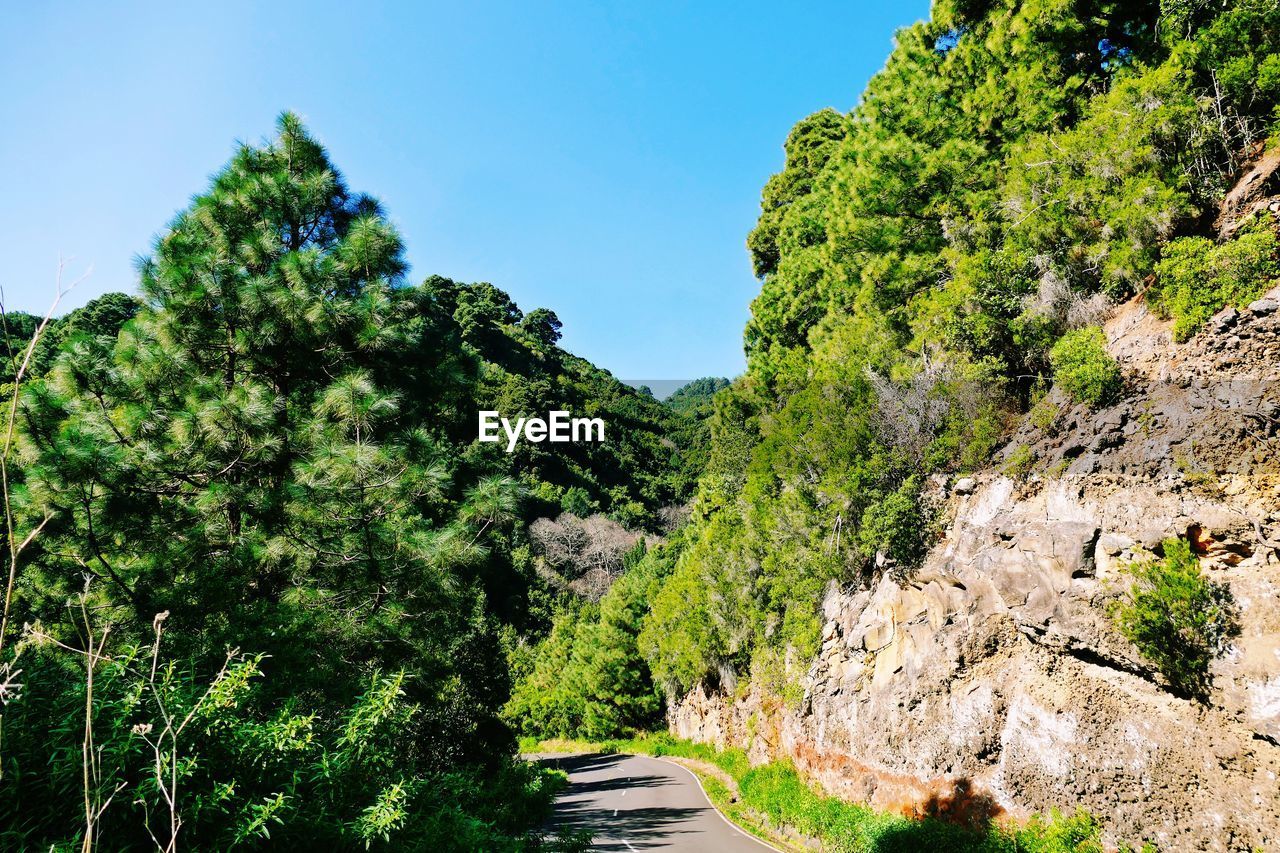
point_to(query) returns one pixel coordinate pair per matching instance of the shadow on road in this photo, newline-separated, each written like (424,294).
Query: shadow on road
(641,827)
(584,763)
(627,783)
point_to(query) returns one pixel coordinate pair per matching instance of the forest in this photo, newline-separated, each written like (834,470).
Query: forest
(268,580)
(265,587)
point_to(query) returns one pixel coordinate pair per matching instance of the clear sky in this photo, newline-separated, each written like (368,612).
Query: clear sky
(600,159)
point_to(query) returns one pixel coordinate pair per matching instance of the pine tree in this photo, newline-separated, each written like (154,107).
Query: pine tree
(254,453)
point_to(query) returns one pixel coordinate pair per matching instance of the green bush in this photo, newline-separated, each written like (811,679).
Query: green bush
(1197,279)
(1178,618)
(1084,369)
(896,525)
(303,777)
(1019,463)
(1079,833)
(1044,415)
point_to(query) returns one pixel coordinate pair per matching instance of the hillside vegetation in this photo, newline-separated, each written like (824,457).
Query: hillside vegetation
(930,263)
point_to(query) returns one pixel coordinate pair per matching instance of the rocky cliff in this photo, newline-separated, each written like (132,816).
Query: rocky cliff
(993,680)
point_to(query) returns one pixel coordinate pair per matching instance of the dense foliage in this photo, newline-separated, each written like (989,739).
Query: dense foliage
(272,577)
(1196,277)
(930,261)
(1083,368)
(273,587)
(100,318)
(696,396)
(636,472)
(587,677)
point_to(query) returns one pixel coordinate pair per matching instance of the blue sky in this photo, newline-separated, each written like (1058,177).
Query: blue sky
(601,159)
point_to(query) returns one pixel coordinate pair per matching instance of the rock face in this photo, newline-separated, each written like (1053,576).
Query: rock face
(993,680)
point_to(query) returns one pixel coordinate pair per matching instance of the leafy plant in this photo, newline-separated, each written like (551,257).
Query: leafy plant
(1179,619)
(894,526)
(1020,462)
(1192,473)
(1196,278)
(1058,469)
(1084,368)
(1044,415)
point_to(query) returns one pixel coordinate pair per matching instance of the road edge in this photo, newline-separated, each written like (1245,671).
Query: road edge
(751,831)
(756,831)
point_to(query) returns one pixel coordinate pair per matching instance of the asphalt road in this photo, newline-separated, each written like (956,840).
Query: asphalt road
(632,803)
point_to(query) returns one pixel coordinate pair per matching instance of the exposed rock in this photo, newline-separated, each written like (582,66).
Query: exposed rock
(1113,544)
(1224,320)
(1253,192)
(1263,307)
(995,675)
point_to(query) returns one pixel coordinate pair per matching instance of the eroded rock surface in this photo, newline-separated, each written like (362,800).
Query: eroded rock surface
(993,680)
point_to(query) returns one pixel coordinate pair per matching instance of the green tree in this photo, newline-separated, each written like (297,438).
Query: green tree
(543,326)
(252,456)
(587,678)
(696,396)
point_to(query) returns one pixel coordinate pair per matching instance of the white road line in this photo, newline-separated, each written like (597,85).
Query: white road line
(733,825)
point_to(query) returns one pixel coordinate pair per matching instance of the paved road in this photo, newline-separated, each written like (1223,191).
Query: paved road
(632,803)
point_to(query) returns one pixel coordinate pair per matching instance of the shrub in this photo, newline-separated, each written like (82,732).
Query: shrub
(193,760)
(1178,618)
(1044,415)
(1084,369)
(1197,278)
(1019,463)
(896,525)
(1079,833)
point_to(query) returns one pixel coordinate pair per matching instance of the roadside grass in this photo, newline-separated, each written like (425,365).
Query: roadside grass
(774,802)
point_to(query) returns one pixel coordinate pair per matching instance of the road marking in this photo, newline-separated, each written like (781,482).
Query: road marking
(731,824)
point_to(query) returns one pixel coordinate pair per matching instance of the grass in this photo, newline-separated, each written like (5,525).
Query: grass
(776,803)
